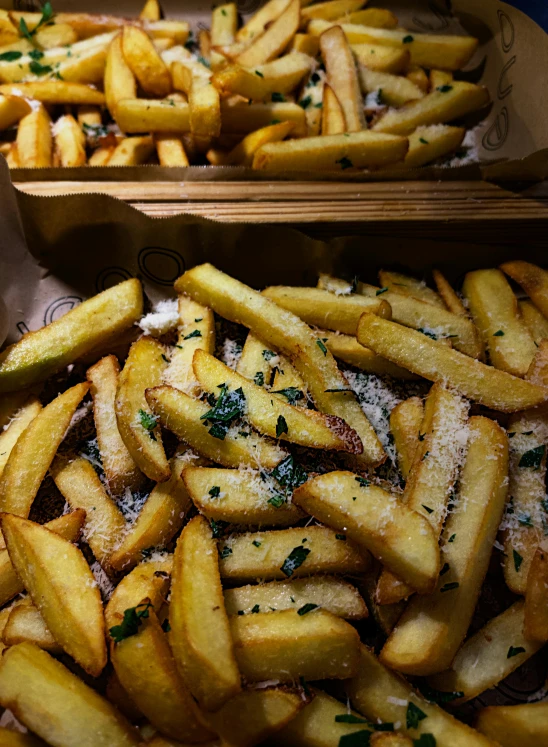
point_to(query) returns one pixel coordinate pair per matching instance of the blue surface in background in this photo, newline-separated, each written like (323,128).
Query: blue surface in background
(536,9)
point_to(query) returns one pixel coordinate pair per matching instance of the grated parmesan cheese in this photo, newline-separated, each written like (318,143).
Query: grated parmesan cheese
(163,318)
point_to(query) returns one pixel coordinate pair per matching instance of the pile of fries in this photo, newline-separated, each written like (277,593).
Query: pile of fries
(330,86)
(235,531)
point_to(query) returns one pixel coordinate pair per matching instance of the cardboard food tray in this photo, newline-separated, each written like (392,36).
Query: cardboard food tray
(57,251)
(508,141)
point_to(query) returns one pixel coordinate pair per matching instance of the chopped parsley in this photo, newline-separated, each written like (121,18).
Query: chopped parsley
(427,508)
(514,651)
(381,291)
(217,528)
(533,458)
(256,608)
(229,407)
(195,333)
(294,560)
(450,586)
(349,718)
(305,103)
(10,56)
(357,739)
(277,501)
(452,538)
(408,39)
(500,333)
(203,61)
(422,436)
(341,537)
(339,390)
(345,163)
(274,121)
(165,358)
(131,623)
(289,474)
(306,608)
(47,16)
(444,569)
(223,11)
(423,141)
(425,740)
(291,393)
(525,520)
(256,543)
(149,423)
(278,97)
(413,716)
(445,88)
(215,491)
(36,54)
(322,347)
(314,78)
(269,354)
(259,378)
(39,69)
(363,483)
(518,560)
(438,696)
(225,552)
(258,72)
(281,426)
(166,627)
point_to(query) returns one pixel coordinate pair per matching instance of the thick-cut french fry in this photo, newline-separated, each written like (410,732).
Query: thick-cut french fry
(285,332)
(257,24)
(331,10)
(497,650)
(494,309)
(132,151)
(379,18)
(271,79)
(66,594)
(238,497)
(243,153)
(243,118)
(449,296)
(438,107)
(70,142)
(144,367)
(55,92)
(196,331)
(349,350)
(406,285)
(154,115)
(121,472)
(333,120)
(200,636)
(274,40)
(86,67)
(176,30)
(34,451)
(329,593)
(285,645)
(205,112)
(160,518)
(403,539)
(184,416)
(25,623)
(305,43)
(147,671)
(532,279)
(430,142)
(10,738)
(170,149)
(342,77)
(430,631)
(395,89)
(81,487)
(428,50)
(312,100)
(405,424)
(273,417)
(186,71)
(379,58)
(289,553)
(12,109)
(536,597)
(320,308)
(382,695)
(524,725)
(224,24)
(96,321)
(34,140)
(425,357)
(144,62)
(67,526)
(255,360)
(536,323)
(331,152)
(12,432)
(439,78)
(89,116)
(385,615)
(119,82)
(151,11)
(101,156)
(418,76)
(33,683)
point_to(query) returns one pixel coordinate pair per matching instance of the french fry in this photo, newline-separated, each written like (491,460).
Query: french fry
(151,11)
(379,58)
(81,487)
(119,81)
(536,599)
(86,67)
(160,518)
(272,416)
(333,119)
(330,10)
(395,89)
(163,43)
(89,115)
(205,112)
(536,323)
(286,645)
(330,593)
(285,332)
(282,554)
(288,378)
(524,725)
(147,671)
(449,296)
(405,424)
(121,472)
(426,144)
(532,279)
(132,151)
(67,526)
(176,30)
(332,152)
(243,118)
(224,24)
(274,40)
(255,360)
(85,24)
(382,695)
(342,77)
(12,432)
(385,615)
(379,18)
(196,331)
(430,631)
(428,50)
(238,497)
(499,648)
(56,35)
(404,540)
(280,76)
(349,350)
(69,142)
(144,367)
(55,92)
(170,149)
(201,637)
(101,156)
(34,141)
(154,115)
(12,109)
(243,153)
(65,594)
(254,715)
(25,623)
(305,43)
(257,24)
(183,416)
(439,78)
(438,107)
(425,357)
(312,101)
(34,451)
(32,683)
(494,309)
(144,62)
(10,738)
(409,286)
(417,75)
(11,403)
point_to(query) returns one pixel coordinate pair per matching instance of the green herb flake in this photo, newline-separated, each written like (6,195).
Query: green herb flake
(425,740)
(204,62)
(131,623)
(256,608)
(281,426)
(38,69)
(275,121)
(215,491)
(450,586)
(10,56)
(381,291)
(256,543)
(278,97)
(258,72)
(195,333)
(340,390)
(294,560)
(444,569)
(362,482)
(427,508)
(277,501)
(525,520)
(423,141)
(408,39)
(166,627)
(223,12)
(413,716)
(341,537)
(500,333)
(36,54)
(349,718)
(518,560)
(259,378)
(305,103)
(165,358)
(438,696)
(533,458)
(356,739)
(452,538)
(229,407)
(322,347)
(289,474)
(345,163)
(217,528)
(269,354)
(514,651)
(291,393)
(149,423)
(306,608)
(225,552)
